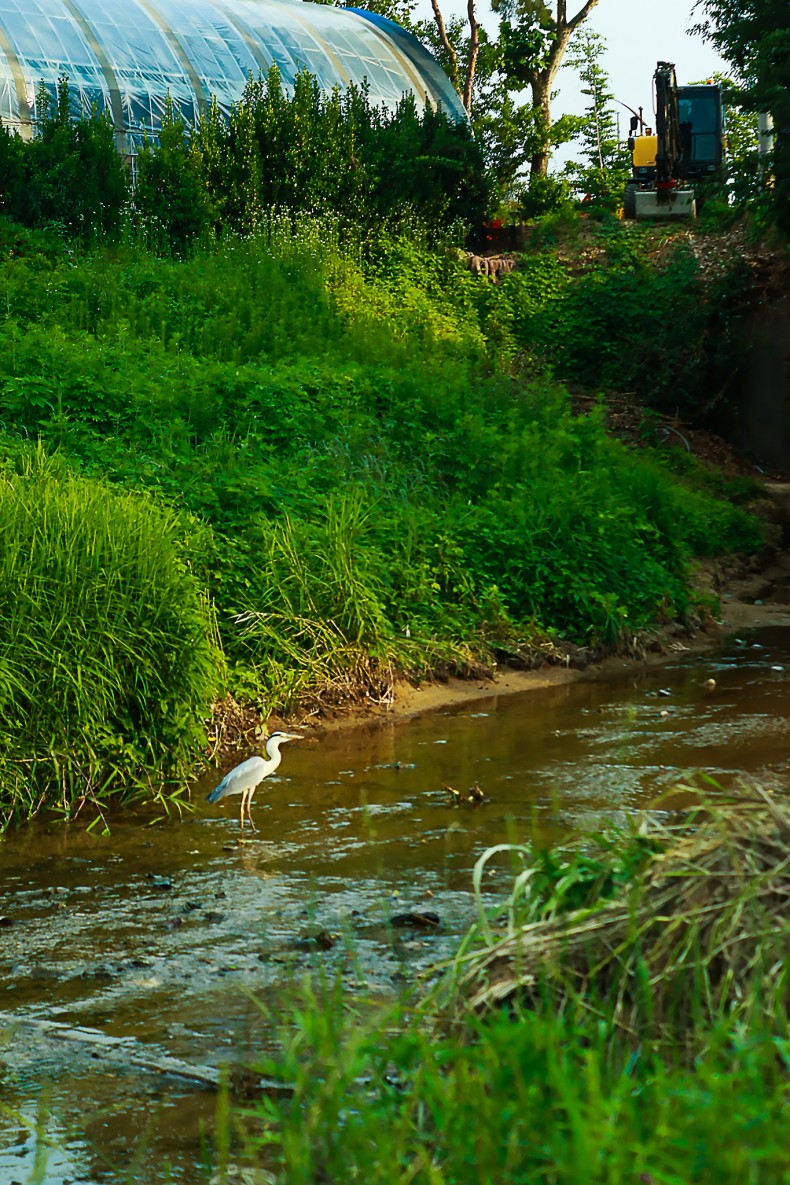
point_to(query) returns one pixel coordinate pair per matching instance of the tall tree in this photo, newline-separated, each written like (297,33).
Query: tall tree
(535,36)
(754,37)
(603,168)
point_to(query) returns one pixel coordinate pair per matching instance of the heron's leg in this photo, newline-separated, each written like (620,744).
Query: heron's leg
(241,816)
(249,812)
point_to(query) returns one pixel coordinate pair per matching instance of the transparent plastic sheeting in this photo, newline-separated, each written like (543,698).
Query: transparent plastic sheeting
(126,57)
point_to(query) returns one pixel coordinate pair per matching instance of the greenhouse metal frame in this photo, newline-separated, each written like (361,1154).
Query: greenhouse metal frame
(127,58)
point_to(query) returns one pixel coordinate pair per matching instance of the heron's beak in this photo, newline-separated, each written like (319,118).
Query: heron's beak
(291,736)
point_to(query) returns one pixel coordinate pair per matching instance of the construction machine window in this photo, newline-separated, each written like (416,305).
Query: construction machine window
(699,113)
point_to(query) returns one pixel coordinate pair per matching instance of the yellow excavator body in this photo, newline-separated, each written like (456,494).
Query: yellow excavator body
(645,149)
(672,166)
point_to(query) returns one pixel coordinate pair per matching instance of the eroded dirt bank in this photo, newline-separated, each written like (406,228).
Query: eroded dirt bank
(744,600)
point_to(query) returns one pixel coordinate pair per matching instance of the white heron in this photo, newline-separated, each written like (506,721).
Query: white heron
(245,778)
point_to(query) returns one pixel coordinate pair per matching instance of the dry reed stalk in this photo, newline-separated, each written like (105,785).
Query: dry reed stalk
(710,908)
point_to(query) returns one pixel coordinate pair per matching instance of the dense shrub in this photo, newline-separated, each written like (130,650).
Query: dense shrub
(69,176)
(308,152)
(635,315)
(107,663)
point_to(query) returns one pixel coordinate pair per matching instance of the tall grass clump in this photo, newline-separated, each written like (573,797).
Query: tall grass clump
(666,923)
(107,656)
(516,1098)
(324,618)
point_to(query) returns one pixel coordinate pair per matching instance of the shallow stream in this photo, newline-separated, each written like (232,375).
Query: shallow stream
(164,935)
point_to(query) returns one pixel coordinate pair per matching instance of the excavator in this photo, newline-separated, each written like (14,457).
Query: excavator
(686,149)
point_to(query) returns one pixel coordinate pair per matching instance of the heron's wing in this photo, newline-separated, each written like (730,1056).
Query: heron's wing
(242,777)
(221,790)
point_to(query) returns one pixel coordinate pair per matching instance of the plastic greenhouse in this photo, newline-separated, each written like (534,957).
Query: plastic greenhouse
(127,57)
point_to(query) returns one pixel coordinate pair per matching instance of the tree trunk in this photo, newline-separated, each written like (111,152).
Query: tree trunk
(541,81)
(471,64)
(466,91)
(541,105)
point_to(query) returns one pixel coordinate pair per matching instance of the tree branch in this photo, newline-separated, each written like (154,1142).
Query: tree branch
(474,45)
(447,45)
(582,14)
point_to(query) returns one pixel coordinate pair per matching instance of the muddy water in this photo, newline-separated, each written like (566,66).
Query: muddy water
(160,936)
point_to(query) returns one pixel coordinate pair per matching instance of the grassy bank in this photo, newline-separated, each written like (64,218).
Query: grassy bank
(353,464)
(657,1051)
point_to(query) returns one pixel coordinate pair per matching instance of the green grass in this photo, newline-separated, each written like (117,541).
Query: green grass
(516,1099)
(107,655)
(598,1078)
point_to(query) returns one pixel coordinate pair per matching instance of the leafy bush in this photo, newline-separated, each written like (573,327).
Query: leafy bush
(634,316)
(107,659)
(69,177)
(305,153)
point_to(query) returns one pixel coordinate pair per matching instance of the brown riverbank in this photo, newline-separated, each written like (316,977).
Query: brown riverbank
(748,592)
(744,589)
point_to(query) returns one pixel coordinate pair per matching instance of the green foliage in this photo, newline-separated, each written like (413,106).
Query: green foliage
(634,318)
(744,181)
(361,485)
(70,176)
(308,152)
(605,166)
(487,505)
(519,1097)
(630,1004)
(551,882)
(754,37)
(526,43)
(305,153)
(545,194)
(107,664)
(169,196)
(533,39)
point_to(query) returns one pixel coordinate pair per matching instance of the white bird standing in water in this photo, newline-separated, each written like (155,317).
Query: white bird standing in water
(245,778)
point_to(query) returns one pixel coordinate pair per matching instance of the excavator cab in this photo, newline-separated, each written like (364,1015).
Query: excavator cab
(700,118)
(686,149)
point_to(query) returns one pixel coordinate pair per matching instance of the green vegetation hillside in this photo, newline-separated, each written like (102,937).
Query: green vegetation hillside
(357,453)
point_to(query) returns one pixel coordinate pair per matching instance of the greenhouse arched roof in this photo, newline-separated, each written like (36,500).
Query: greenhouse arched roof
(126,57)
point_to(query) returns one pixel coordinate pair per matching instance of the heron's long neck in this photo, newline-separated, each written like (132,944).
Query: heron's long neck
(273,753)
